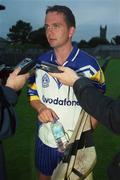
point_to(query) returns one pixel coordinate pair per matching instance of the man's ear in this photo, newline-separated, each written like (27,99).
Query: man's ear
(71,31)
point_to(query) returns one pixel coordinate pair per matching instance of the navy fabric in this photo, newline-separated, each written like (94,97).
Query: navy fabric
(7,115)
(46,158)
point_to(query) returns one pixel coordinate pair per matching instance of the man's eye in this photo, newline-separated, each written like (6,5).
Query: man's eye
(56,25)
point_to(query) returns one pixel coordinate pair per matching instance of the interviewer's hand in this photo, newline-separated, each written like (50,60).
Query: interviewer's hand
(16,81)
(68,77)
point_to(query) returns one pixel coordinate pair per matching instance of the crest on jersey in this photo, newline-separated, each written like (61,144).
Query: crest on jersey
(45,81)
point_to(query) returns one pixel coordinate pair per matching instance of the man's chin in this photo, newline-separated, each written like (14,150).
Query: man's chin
(52,45)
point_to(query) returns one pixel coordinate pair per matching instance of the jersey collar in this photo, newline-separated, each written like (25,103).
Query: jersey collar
(70,58)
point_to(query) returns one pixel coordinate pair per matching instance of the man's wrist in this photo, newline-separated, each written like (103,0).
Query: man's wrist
(9,86)
(42,106)
(75,79)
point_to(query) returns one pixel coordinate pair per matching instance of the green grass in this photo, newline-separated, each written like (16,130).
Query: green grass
(19,149)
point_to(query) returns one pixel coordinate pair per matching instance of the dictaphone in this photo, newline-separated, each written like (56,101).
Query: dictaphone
(26,65)
(48,67)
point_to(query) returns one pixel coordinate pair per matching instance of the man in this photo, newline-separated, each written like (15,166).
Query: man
(50,98)
(103,108)
(8,93)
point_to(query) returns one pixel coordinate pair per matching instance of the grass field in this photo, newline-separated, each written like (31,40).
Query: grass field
(19,149)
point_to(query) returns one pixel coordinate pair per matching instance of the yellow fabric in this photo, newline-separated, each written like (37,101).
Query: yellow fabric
(99,76)
(32,86)
(32,98)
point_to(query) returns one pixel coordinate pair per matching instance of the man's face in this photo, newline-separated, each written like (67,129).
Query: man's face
(57,31)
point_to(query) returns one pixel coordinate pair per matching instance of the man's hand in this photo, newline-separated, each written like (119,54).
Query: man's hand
(68,77)
(46,115)
(16,81)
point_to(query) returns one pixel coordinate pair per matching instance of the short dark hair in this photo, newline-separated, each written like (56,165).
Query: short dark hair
(69,17)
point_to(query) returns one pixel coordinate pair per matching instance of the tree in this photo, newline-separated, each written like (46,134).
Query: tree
(95,41)
(2,7)
(20,32)
(83,44)
(39,37)
(116,40)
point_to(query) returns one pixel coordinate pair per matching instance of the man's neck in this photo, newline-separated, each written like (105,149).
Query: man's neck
(62,53)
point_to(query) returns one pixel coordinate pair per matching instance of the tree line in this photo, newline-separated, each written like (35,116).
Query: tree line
(22,33)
